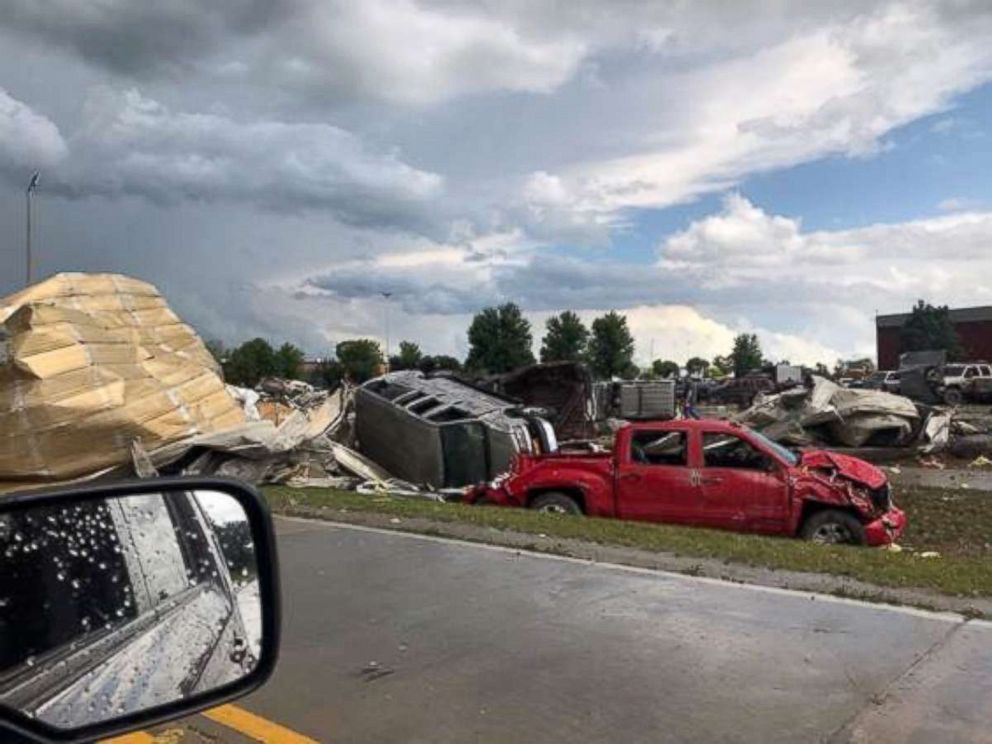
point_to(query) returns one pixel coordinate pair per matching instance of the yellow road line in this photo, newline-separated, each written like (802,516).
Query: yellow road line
(254,726)
(138,738)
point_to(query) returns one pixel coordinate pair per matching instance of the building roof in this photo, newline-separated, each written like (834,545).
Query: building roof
(958,315)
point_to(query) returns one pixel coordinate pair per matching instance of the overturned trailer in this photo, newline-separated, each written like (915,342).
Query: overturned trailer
(442,432)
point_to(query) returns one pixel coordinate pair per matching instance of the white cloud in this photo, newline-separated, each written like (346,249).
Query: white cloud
(958,204)
(833,89)
(744,241)
(28,140)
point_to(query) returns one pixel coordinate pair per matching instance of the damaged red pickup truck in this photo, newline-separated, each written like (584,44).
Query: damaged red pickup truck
(708,473)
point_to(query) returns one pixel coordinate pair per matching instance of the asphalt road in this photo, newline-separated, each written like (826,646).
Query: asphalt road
(399,638)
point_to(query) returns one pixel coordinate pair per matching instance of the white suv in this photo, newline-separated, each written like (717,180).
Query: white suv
(957,375)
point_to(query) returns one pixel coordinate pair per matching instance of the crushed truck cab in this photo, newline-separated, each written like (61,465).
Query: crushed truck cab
(712,474)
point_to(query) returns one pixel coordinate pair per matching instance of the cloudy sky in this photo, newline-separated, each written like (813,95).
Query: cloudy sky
(706,167)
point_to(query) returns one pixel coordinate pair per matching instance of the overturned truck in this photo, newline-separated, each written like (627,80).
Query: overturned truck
(442,432)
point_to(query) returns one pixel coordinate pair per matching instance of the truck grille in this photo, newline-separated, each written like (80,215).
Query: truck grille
(881,497)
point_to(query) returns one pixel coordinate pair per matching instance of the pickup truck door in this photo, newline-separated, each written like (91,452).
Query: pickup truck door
(654,480)
(741,486)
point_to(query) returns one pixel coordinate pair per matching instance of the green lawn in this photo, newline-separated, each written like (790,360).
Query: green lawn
(956,524)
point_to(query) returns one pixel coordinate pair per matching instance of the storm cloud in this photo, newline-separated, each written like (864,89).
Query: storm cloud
(275,166)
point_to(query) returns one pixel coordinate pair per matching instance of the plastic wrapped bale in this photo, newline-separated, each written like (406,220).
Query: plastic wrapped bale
(91,363)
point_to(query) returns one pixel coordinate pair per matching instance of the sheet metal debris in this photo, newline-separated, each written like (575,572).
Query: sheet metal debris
(829,414)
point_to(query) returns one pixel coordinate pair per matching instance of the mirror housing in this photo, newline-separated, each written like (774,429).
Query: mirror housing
(251,666)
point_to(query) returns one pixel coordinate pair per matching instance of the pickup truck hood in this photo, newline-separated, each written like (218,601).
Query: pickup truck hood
(849,467)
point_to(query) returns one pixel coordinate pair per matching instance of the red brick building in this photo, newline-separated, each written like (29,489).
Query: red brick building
(973,324)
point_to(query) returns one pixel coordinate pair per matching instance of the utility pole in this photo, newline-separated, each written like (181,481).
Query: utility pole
(32,185)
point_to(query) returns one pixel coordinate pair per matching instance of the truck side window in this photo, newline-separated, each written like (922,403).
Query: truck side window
(729,451)
(659,448)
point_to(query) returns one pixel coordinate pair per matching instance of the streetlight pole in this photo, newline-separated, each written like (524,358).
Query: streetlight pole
(387,295)
(32,185)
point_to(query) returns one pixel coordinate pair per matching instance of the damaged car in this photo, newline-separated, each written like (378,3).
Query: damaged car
(708,473)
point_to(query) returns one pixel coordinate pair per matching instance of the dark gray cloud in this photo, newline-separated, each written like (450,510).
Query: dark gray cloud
(142,37)
(128,145)
(28,140)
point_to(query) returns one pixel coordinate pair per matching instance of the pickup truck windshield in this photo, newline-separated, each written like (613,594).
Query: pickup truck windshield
(786,454)
(954,370)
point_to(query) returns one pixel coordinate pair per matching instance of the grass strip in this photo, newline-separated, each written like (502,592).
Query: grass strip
(964,570)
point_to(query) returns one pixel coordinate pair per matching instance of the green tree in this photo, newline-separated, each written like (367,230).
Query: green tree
(499,340)
(664,368)
(822,370)
(330,373)
(722,365)
(250,362)
(360,358)
(289,361)
(746,355)
(409,357)
(430,364)
(566,339)
(930,327)
(697,366)
(611,348)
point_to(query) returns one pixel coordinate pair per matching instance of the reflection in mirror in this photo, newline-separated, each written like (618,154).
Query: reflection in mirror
(109,607)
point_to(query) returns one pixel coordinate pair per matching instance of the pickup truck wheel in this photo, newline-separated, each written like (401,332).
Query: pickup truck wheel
(953,396)
(556,503)
(832,527)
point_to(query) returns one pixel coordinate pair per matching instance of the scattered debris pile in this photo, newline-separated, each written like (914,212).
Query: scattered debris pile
(828,414)
(100,379)
(564,390)
(90,364)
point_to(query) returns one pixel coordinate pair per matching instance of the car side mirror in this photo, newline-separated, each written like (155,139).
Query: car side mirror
(128,604)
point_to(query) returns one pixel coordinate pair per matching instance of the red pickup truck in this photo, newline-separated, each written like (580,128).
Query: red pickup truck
(712,474)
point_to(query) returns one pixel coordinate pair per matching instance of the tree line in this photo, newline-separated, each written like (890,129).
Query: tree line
(501,339)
